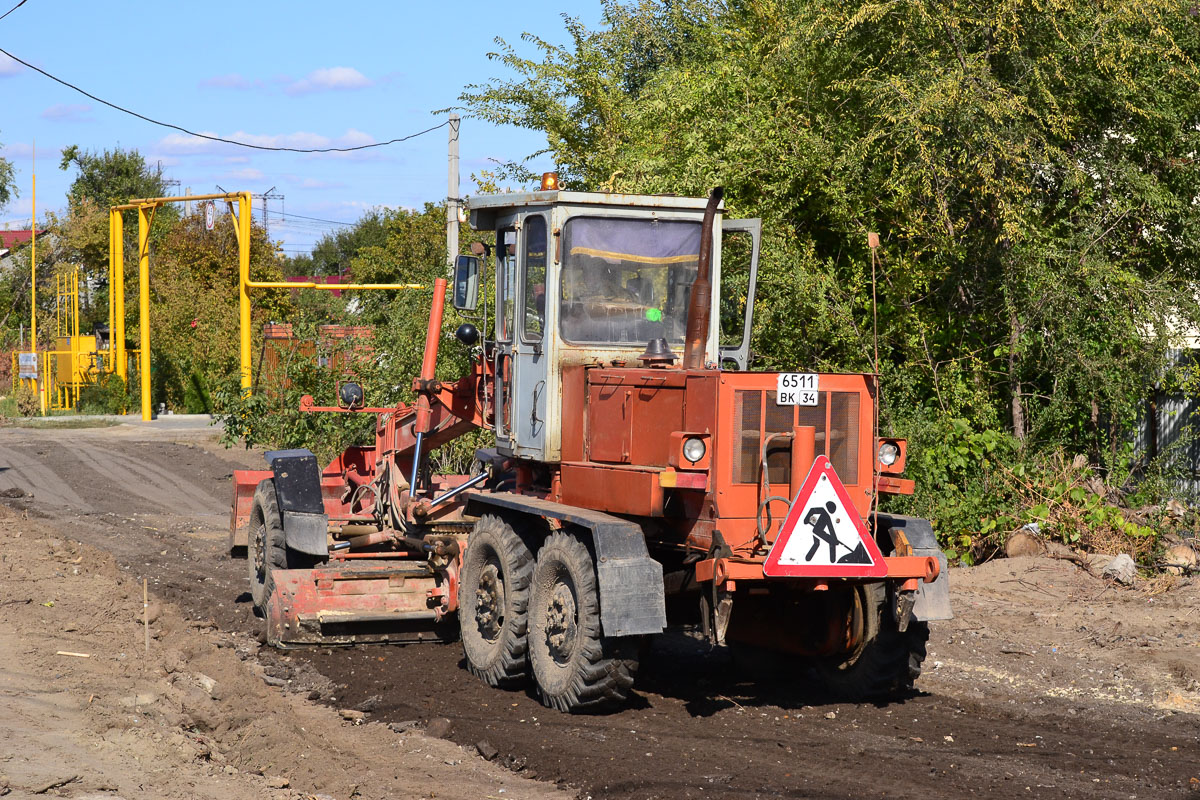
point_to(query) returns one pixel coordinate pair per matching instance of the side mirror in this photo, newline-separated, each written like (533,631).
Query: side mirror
(466,283)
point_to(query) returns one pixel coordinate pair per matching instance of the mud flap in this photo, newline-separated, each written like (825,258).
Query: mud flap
(632,596)
(933,599)
(298,488)
(632,599)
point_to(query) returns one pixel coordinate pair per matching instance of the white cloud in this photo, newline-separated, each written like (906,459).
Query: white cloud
(22,150)
(246,174)
(68,113)
(231,80)
(314,183)
(183,145)
(329,79)
(8,67)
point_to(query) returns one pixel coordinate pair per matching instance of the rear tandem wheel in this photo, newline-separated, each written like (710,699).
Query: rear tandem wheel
(576,668)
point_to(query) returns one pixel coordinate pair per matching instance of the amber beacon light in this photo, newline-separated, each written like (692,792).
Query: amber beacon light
(550,182)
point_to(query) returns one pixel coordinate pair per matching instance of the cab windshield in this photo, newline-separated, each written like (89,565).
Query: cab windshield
(627,280)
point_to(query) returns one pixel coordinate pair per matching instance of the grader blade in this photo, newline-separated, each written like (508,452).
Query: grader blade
(355,604)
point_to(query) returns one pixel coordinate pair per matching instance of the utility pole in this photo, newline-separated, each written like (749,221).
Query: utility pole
(33,257)
(267,195)
(453,202)
(187,204)
(166,182)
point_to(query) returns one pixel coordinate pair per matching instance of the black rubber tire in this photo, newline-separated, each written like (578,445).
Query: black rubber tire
(266,546)
(493,603)
(266,549)
(887,661)
(576,669)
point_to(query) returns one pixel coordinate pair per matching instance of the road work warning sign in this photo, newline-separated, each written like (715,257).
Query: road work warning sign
(823,536)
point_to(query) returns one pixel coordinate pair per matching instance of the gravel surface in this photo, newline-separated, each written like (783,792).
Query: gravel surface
(1050,682)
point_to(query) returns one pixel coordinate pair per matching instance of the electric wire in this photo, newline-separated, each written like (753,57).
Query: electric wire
(219,138)
(315,219)
(14,8)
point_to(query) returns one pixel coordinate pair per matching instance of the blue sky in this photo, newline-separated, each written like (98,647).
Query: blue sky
(299,74)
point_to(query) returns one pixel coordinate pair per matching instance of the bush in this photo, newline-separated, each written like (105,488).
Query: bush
(108,395)
(28,404)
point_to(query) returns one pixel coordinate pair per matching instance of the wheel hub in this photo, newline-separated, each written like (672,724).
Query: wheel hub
(260,550)
(561,624)
(489,603)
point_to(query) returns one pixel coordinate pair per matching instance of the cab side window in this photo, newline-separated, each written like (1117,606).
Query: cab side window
(534,287)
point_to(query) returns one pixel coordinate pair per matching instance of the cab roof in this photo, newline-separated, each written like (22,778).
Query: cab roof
(486,208)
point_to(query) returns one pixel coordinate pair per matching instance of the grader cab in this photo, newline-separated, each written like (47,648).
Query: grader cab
(640,477)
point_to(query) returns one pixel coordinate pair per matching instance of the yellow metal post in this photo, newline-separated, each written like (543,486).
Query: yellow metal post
(117,292)
(243,226)
(144,307)
(111,324)
(33,264)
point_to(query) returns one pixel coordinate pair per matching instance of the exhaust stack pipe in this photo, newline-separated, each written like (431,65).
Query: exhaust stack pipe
(700,305)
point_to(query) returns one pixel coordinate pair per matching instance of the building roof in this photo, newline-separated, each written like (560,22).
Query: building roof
(11,238)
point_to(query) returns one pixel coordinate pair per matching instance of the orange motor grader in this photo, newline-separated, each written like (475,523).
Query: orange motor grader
(640,477)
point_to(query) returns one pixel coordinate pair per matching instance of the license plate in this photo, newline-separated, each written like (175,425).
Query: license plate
(796,389)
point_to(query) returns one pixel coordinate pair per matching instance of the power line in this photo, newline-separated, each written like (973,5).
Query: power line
(14,8)
(318,219)
(218,138)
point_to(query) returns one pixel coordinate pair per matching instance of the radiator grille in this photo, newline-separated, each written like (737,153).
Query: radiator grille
(843,435)
(747,409)
(835,418)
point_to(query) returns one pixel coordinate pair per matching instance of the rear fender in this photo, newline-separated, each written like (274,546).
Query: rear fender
(297,480)
(933,599)
(632,597)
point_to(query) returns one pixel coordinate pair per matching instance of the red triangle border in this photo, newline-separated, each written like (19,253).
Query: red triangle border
(773,569)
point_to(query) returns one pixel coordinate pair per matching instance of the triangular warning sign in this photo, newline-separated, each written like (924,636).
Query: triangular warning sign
(823,536)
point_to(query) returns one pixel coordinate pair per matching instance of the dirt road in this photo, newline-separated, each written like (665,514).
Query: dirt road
(1049,683)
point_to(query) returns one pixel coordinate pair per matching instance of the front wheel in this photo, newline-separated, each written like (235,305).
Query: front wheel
(266,546)
(576,668)
(884,661)
(266,549)
(493,603)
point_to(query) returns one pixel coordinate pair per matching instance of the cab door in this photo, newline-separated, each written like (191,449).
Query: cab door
(740,239)
(528,398)
(506,303)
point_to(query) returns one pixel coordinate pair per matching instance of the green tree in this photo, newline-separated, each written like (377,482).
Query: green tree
(8,183)
(1030,168)
(111,177)
(334,252)
(103,179)
(194,309)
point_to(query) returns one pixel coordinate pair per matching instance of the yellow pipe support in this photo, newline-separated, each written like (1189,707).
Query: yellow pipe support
(330,286)
(44,389)
(33,267)
(117,291)
(144,308)
(110,280)
(134,205)
(243,234)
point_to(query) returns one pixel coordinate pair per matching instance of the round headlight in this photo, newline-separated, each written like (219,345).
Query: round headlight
(888,453)
(351,394)
(693,450)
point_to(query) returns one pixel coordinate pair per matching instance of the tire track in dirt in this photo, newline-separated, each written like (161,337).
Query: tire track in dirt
(695,730)
(30,474)
(162,488)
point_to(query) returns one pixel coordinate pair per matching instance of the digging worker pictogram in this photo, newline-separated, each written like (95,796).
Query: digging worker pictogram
(822,525)
(823,531)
